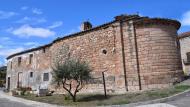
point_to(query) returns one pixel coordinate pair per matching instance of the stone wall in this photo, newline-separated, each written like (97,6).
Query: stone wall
(185,48)
(90,47)
(159,56)
(133,57)
(40,64)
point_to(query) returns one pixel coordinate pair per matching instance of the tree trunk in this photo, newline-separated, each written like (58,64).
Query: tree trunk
(74,98)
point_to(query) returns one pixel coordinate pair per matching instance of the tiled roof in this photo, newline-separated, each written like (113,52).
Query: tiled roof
(184,35)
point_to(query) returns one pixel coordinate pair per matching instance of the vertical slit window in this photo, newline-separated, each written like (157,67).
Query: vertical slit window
(31,74)
(31,59)
(11,64)
(19,61)
(44,50)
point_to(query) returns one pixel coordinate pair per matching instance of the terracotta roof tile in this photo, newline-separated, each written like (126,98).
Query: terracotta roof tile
(184,35)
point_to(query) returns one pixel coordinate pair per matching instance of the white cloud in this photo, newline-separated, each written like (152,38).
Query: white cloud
(28,31)
(37,11)
(6,15)
(6,52)
(31,20)
(1,46)
(24,8)
(56,24)
(186,19)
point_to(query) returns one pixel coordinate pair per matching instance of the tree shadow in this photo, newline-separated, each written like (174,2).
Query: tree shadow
(97,97)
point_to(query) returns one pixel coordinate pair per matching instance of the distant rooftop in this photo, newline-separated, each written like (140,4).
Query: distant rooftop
(184,35)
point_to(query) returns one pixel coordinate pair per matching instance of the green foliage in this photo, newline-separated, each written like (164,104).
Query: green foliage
(72,74)
(3,69)
(24,90)
(14,92)
(67,97)
(91,100)
(182,87)
(3,75)
(71,69)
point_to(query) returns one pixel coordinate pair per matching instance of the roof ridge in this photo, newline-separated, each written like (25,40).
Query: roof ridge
(184,35)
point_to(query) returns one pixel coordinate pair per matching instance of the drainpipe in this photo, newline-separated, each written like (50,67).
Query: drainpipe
(123,55)
(137,56)
(122,48)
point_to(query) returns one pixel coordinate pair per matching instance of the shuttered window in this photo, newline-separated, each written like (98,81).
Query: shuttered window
(46,77)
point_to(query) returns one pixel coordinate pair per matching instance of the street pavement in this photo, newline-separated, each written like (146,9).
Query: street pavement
(5,102)
(157,105)
(8,103)
(181,101)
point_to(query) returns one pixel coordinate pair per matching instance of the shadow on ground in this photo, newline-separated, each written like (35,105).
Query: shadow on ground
(93,98)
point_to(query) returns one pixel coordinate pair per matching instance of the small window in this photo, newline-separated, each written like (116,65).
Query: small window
(46,77)
(44,50)
(188,56)
(104,51)
(31,74)
(31,59)
(11,64)
(19,61)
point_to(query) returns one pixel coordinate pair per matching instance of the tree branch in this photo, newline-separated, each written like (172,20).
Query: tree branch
(76,89)
(68,90)
(81,86)
(70,86)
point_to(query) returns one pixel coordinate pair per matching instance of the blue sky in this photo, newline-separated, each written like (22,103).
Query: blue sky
(29,23)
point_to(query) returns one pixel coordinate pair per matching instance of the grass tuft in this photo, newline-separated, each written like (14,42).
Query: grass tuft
(97,100)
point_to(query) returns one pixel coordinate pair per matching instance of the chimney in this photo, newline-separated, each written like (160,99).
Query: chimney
(86,26)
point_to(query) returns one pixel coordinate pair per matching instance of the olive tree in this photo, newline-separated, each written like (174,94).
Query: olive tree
(72,75)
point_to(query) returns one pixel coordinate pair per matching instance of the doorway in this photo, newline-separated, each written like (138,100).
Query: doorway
(19,84)
(8,83)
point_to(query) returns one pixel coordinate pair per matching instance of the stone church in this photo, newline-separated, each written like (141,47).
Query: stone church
(135,53)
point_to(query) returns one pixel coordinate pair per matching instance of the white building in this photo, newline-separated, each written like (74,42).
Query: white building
(184,39)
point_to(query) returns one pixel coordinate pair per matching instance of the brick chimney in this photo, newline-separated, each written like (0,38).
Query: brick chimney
(86,26)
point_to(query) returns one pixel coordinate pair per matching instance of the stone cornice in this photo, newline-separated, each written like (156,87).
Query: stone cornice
(152,21)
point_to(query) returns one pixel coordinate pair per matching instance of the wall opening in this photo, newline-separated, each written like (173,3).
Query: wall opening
(31,74)
(104,51)
(46,77)
(44,50)
(31,58)
(19,61)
